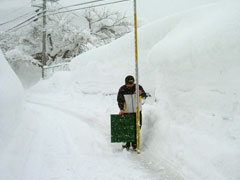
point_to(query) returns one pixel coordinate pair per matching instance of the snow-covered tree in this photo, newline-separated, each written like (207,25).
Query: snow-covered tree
(68,35)
(107,25)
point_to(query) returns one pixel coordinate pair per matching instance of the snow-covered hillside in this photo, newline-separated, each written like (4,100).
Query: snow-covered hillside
(188,63)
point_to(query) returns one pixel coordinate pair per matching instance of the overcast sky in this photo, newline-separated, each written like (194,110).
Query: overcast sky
(147,9)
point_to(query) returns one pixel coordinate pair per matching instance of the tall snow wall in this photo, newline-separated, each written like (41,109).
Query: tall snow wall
(189,62)
(11,97)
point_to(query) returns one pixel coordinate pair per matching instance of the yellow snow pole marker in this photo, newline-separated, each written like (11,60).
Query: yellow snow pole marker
(137,82)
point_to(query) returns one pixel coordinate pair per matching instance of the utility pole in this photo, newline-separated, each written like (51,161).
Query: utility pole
(137,81)
(44,58)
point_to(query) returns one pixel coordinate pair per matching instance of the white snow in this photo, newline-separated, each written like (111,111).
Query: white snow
(189,63)
(11,98)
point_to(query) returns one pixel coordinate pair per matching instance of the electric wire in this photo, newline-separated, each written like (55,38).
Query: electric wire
(63,7)
(42,13)
(12,20)
(39,15)
(89,2)
(14,11)
(19,25)
(87,7)
(31,18)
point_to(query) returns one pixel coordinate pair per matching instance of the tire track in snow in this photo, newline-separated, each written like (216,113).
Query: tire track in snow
(88,119)
(159,170)
(98,162)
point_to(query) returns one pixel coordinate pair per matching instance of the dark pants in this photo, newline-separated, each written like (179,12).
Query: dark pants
(134,144)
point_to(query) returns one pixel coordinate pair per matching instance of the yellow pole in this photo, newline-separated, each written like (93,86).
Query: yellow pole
(137,81)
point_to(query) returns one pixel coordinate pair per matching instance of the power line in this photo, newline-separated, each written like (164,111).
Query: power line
(14,11)
(18,27)
(42,13)
(63,7)
(12,20)
(89,2)
(88,7)
(31,19)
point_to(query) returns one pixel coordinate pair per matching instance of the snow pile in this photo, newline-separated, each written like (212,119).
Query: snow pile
(189,62)
(11,96)
(198,93)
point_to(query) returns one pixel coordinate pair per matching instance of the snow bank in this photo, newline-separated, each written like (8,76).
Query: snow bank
(11,95)
(189,63)
(198,92)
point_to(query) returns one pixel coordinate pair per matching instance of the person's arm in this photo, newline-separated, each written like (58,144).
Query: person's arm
(143,93)
(121,100)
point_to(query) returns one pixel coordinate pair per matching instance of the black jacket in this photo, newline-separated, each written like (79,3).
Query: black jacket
(126,90)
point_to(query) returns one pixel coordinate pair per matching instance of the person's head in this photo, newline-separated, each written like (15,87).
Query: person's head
(129,81)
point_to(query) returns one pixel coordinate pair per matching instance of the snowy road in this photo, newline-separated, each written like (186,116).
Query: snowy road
(61,140)
(189,63)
